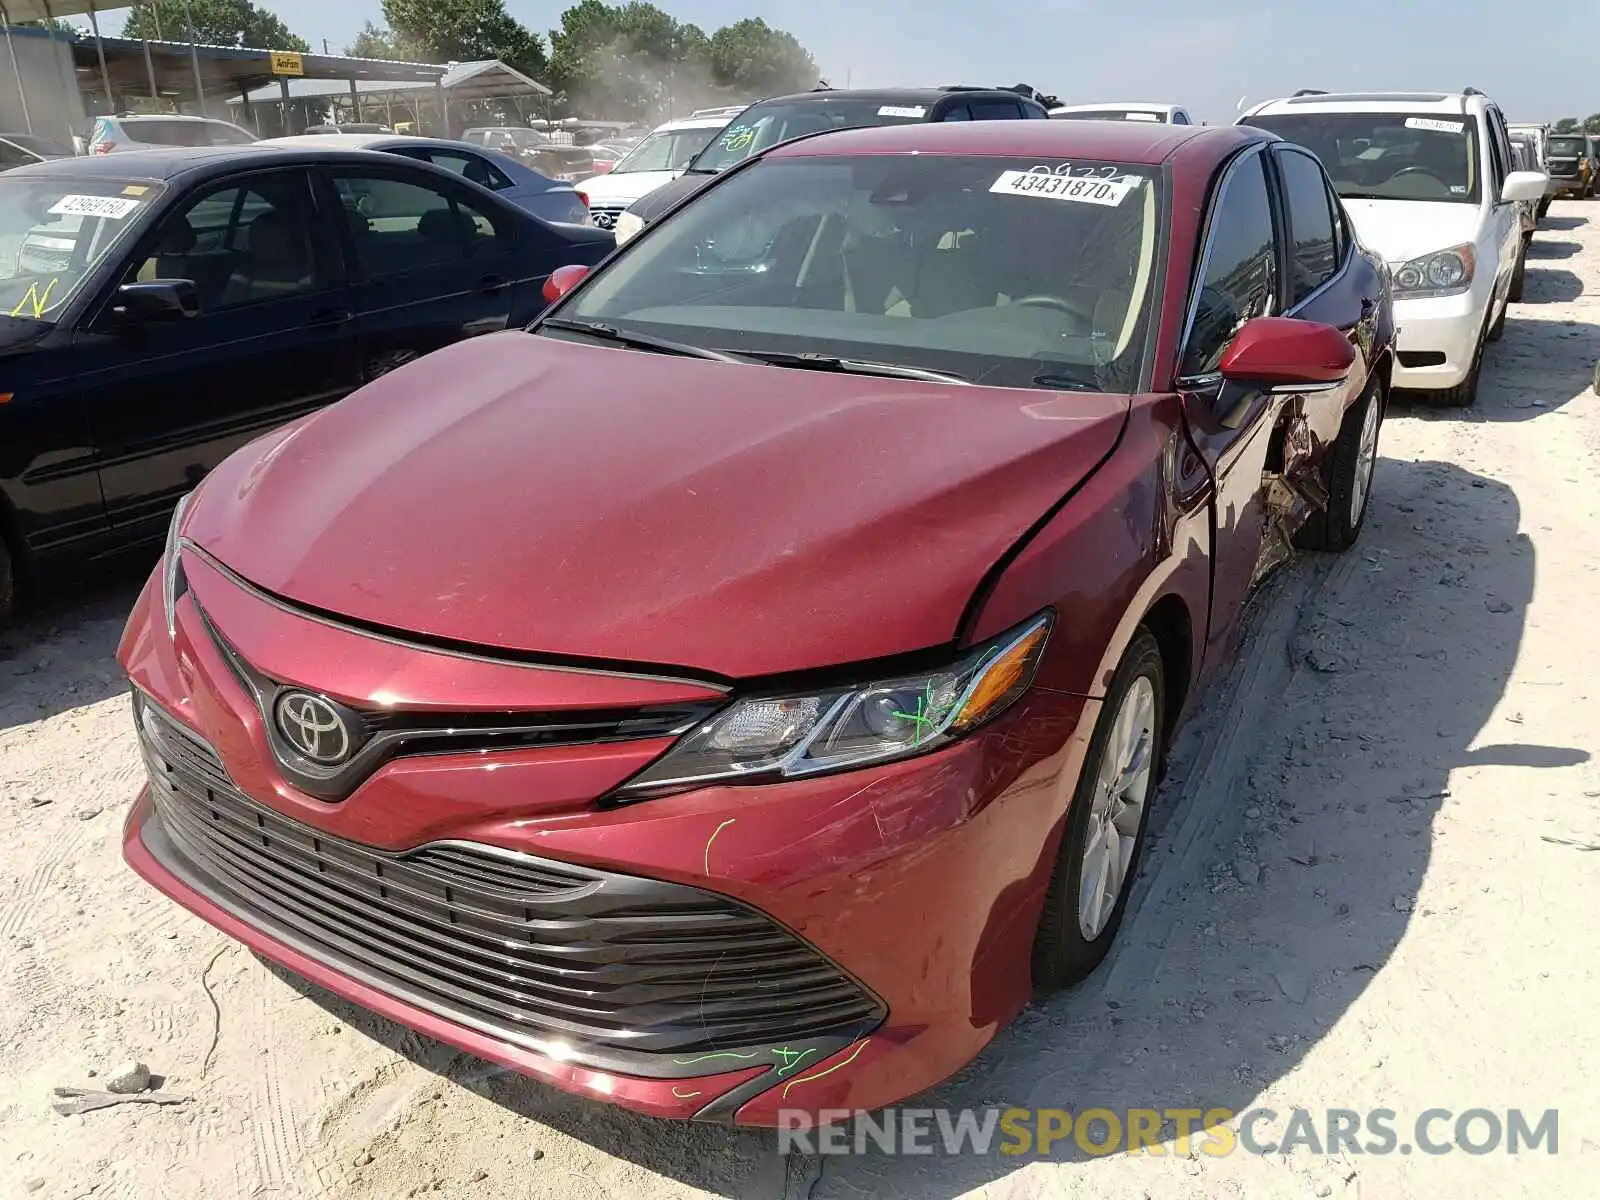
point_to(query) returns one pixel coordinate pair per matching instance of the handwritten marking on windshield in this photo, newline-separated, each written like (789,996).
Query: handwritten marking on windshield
(39,303)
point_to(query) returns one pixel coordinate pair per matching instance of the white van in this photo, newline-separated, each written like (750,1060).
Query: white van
(1161,114)
(1429,180)
(660,158)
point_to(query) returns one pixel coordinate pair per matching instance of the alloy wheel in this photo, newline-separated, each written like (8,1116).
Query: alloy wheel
(1121,792)
(1366,463)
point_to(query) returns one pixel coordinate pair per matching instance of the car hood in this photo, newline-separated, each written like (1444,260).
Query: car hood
(18,335)
(649,207)
(1400,230)
(550,497)
(625,188)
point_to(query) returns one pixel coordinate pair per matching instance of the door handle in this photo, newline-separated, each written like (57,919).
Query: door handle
(490,284)
(328,317)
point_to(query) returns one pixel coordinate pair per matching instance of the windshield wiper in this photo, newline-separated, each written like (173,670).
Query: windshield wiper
(1065,383)
(810,361)
(641,341)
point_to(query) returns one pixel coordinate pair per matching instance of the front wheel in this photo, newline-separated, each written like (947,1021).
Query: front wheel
(1351,465)
(1100,849)
(1465,393)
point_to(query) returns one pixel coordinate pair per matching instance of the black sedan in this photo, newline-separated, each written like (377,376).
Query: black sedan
(160,309)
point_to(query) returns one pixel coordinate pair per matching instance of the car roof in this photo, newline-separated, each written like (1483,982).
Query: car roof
(1157,105)
(925,95)
(1451,103)
(171,162)
(1130,142)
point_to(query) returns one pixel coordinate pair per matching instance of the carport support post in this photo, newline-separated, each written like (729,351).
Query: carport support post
(444,110)
(150,70)
(355,101)
(16,71)
(100,52)
(69,81)
(194,60)
(283,105)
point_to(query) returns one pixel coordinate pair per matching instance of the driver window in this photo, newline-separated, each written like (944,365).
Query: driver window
(239,244)
(1238,282)
(1313,248)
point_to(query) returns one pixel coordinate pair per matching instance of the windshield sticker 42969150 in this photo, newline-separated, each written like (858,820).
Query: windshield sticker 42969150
(1081,189)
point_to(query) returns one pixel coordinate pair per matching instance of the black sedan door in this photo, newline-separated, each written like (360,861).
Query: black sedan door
(274,339)
(435,261)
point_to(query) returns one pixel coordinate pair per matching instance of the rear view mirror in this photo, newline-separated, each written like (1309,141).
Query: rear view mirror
(562,280)
(1285,353)
(1524,185)
(158,302)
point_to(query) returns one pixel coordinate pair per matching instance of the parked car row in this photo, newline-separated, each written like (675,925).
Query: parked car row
(910,464)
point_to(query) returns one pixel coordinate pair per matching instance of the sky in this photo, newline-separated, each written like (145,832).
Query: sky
(1535,59)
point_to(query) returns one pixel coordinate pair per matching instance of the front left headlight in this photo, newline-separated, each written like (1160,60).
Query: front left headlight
(173,584)
(767,738)
(1443,273)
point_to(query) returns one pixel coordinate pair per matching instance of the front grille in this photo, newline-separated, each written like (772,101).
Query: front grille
(605,215)
(608,970)
(1564,168)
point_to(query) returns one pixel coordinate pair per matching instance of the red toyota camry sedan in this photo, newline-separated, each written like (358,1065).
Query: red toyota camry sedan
(740,691)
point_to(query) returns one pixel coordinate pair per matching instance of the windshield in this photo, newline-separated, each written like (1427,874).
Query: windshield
(1389,156)
(767,124)
(1112,114)
(1567,147)
(54,233)
(666,151)
(1005,272)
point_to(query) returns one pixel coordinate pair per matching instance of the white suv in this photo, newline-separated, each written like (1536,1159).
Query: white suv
(1160,114)
(659,159)
(112,135)
(1429,181)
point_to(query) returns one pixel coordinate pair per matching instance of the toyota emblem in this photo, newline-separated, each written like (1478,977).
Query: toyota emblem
(314,727)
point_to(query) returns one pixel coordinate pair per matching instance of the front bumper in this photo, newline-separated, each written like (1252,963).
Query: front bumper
(901,899)
(1437,340)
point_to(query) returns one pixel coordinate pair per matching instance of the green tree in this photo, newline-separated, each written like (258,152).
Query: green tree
(631,60)
(466,31)
(1567,125)
(755,58)
(216,23)
(1591,123)
(376,42)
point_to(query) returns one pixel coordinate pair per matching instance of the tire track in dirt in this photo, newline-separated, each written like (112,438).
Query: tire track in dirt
(23,902)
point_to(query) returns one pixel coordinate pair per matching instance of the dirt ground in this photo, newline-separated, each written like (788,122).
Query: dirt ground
(1372,885)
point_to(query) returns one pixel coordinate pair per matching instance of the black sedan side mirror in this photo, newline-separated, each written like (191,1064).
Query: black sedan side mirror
(158,302)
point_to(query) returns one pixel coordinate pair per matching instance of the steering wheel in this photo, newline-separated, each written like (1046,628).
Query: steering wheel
(1043,300)
(1428,171)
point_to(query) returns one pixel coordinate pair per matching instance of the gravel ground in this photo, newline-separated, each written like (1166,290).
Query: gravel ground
(1370,887)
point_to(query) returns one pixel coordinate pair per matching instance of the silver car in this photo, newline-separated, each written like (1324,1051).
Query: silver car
(549,199)
(112,135)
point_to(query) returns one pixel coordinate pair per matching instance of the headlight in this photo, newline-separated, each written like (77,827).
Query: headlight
(627,226)
(1443,273)
(173,584)
(784,737)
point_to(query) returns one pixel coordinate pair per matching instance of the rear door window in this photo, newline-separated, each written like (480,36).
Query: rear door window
(995,110)
(401,225)
(1314,246)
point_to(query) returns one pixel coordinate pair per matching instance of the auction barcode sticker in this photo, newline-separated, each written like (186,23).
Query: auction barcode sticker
(114,208)
(1109,192)
(1434,125)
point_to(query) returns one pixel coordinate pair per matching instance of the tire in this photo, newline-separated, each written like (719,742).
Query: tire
(1519,273)
(1063,953)
(1498,329)
(1544,207)
(1348,476)
(1597,378)
(1465,393)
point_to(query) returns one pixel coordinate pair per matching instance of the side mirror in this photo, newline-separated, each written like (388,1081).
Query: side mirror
(158,302)
(1524,185)
(1281,353)
(562,280)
